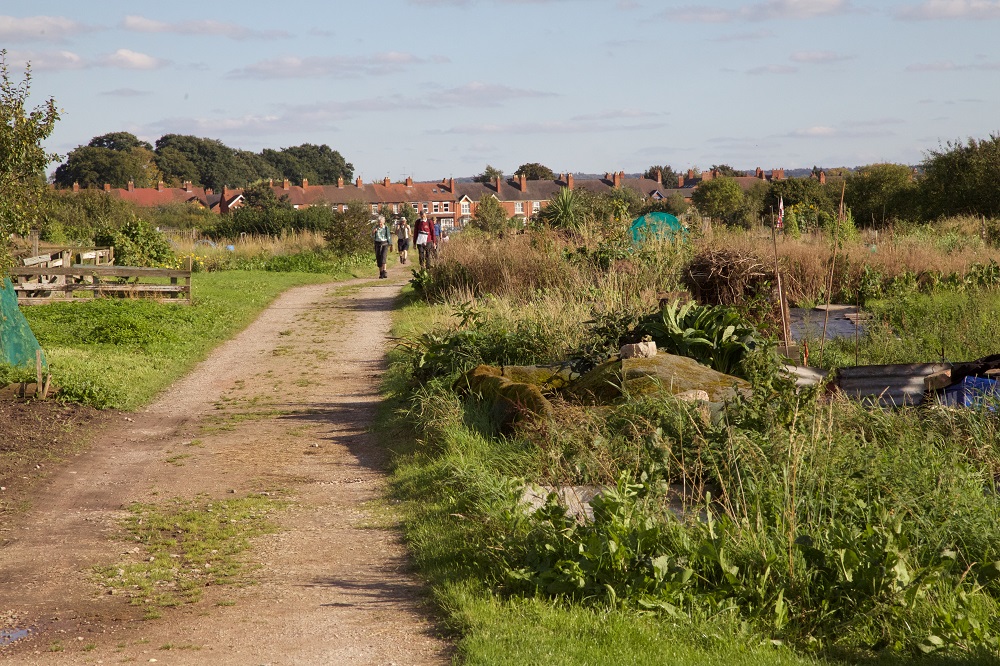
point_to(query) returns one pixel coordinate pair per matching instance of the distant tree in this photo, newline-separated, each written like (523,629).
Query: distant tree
(409,212)
(490,215)
(22,158)
(753,204)
(95,166)
(321,164)
(674,204)
(489,175)
(216,163)
(807,191)
(720,199)
(260,196)
(176,167)
(535,171)
(881,193)
(350,231)
(962,179)
(122,141)
(624,203)
(666,172)
(728,171)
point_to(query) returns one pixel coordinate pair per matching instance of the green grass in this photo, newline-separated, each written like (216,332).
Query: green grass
(185,546)
(120,353)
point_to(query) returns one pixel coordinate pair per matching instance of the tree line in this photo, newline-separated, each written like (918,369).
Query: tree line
(120,157)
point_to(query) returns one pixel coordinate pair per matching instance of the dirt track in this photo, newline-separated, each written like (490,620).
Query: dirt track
(284,407)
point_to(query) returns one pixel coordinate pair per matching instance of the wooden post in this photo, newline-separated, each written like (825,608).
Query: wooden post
(785,327)
(38,372)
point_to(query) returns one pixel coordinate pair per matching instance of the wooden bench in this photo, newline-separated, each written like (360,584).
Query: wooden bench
(36,285)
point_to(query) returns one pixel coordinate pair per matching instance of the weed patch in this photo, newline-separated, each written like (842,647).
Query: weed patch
(185,546)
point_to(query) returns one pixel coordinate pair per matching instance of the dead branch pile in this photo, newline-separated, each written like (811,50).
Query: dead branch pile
(727,276)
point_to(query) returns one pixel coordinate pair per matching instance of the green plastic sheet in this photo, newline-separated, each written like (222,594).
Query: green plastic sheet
(17,343)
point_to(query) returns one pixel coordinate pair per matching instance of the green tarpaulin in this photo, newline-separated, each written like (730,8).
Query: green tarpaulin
(661,226)
(17,343)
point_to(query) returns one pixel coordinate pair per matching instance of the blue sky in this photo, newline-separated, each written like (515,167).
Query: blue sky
(439,88)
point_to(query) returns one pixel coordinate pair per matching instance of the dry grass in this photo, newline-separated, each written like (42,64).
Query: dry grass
(805,263)
(249,245)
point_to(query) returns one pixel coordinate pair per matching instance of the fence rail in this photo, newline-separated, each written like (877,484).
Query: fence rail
(37,285)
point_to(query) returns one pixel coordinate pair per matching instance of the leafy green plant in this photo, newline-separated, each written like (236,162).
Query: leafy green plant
(716,336)
(136,243)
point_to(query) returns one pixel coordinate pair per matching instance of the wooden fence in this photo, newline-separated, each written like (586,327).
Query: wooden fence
(37,285)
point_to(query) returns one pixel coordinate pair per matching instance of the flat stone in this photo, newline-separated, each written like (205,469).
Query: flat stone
(639,350)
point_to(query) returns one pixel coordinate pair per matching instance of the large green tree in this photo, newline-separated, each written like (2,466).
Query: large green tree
(216,163)
(489,175)
(22,157)
(881,193)
(535,171)
(720,199)
(95,166)
(321,165)
(807,191)
(962,179)
(666,172)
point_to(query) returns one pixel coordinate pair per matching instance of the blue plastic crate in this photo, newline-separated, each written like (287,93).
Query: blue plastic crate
(973,392)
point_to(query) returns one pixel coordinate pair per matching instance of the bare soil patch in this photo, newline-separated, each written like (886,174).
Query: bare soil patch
(283,409)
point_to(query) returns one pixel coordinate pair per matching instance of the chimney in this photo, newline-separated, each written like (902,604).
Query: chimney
(107,188)
(224,201)
(160,186)
(522,182)
(607,175)
(822,177)
(409,181)
(659,177)
(386,181)
(569,181)
(340,182)
(680,181)
(759,173)
(305,183)
(708,175)
(617,179)
(360,183)
(690,174)
(499,180)
(285,184)
(187,185)
(209,191)
(451,185)
(76,187)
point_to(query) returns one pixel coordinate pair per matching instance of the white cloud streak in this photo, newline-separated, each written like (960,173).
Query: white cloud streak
(128,59)
(761,11)
(39,28)
(338,67)
(199,27)
(935,10)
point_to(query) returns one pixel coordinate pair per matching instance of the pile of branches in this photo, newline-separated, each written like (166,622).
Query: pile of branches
(727,276)
(736,277)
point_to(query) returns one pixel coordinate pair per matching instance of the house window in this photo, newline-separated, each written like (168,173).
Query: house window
(536,206)
(436,207)
(395,209)
(465,208)
(374,208)
(518,208)
(425,207)
(447,207)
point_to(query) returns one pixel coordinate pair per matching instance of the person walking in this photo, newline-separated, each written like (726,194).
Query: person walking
(402,238)
(381,236)
(426,239)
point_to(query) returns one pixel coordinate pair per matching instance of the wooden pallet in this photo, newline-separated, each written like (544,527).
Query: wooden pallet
(37,285)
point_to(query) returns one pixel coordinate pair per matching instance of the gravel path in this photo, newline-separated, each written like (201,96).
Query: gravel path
(285,407)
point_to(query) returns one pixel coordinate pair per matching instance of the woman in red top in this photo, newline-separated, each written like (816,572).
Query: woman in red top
(425,239)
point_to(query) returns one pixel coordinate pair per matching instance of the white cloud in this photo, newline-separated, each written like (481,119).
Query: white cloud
(819,57)
(761,11)
(849,132)
(341,67)
(32,28)
(933,10)
(949,66)
(47,60)
(126,92)
(548,127)
(128,59)
(199,27)
(478,94)
(744,36)
(772,69)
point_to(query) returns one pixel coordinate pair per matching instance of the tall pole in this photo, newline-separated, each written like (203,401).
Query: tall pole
(777,278)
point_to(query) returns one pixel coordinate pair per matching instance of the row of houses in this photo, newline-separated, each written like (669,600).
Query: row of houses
(449,202)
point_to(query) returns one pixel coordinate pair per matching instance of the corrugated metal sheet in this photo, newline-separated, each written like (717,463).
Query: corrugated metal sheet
(890,385)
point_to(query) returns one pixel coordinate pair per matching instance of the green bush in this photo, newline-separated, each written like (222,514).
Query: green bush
(136,243)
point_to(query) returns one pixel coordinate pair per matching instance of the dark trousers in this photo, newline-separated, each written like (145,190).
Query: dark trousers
(425,255)
(381,254)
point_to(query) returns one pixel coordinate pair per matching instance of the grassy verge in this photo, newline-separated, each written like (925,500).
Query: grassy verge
(120,353)
(453,483)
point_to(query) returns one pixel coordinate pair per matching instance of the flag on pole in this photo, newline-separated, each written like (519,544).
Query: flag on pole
(780,224)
